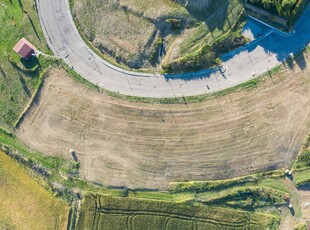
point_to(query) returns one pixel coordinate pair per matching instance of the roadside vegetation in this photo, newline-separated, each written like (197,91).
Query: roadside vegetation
(176,36)
(284,13)
(284,8)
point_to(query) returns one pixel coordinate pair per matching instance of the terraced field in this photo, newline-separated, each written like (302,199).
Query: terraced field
(121,143)
(104,212)
(24,203)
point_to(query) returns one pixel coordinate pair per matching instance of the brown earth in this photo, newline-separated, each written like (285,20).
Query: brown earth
(132,144)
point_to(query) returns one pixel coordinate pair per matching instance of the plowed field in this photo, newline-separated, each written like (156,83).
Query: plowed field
(132,144)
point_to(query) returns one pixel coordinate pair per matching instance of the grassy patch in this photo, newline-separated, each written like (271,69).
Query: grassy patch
(202,186)
(18,79)
(24,203)
(248,198)
(302,177)
(303,159)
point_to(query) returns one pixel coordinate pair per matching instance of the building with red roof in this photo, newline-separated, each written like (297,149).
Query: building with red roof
(24,48)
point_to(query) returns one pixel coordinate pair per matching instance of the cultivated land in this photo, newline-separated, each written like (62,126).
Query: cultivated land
(24,203)
(132,32)
(105,212)
(133,144)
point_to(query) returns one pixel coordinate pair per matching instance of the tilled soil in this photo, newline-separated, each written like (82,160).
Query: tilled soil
(138,145)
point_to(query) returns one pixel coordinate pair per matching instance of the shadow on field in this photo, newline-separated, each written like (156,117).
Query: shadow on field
(2,72)
(301,61)
(214,13)
(25,87)
(33,26)
(280,44)
(31,63)
(195,75)
(305,187)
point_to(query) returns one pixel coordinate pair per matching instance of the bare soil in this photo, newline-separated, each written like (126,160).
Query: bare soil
(138,145)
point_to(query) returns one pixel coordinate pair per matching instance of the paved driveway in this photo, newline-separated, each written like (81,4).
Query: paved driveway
(66,43)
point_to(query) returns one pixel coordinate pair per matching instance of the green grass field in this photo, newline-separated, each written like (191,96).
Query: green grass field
(24,203)
(107,212)
(17,79)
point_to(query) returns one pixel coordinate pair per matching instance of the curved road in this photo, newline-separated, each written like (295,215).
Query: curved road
(259,56)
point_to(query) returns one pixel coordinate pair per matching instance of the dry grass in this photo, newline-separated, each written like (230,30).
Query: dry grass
(24,203)
(148,145)
(128,30)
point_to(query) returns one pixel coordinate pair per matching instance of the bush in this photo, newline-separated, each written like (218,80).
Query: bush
(284,8)
(303,158)
(174,22)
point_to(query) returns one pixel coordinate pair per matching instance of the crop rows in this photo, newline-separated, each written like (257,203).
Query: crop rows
(103,212)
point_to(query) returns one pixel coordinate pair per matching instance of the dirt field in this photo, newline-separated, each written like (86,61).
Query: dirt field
(123,143)
(24,203)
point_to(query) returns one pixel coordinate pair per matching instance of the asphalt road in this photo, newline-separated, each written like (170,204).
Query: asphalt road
(240,66)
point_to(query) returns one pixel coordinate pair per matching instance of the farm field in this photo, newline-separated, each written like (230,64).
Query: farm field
(176,34)
(106,212)
(137,145)
(24,203)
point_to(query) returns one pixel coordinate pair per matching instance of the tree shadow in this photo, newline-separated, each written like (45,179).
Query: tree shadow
(202,74)
(25,87)
(213,13)
(301,61)
(279,44)
(21,4)
(305,187)
(2,72)
(33,26)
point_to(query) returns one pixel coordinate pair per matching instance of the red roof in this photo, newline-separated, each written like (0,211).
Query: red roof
(24,48)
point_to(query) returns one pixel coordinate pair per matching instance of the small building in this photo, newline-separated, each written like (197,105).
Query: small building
(24,48)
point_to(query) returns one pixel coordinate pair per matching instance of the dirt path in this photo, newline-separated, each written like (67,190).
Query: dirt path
(121,143)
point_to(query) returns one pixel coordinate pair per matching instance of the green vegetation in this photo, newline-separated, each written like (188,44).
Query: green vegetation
(124,213)
(284,8)
(18,79)
(300,227)
(248,198)
(302,177)
(202,186)
(303,159)
(24,203)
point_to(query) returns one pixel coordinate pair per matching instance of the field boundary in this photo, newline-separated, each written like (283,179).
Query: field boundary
(33,97)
